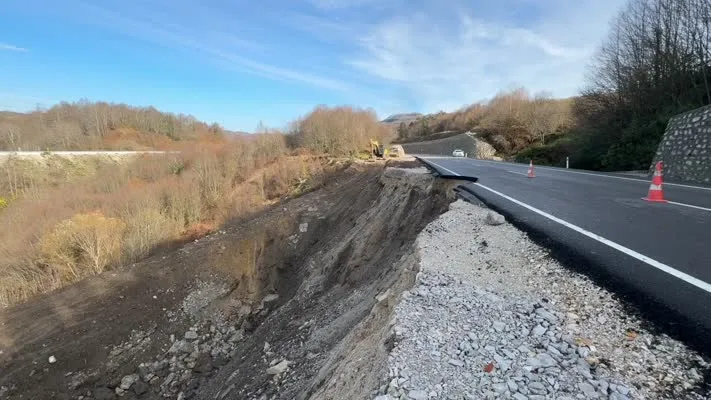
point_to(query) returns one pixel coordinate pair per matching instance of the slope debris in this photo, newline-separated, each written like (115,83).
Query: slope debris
(265,308)
(492,315)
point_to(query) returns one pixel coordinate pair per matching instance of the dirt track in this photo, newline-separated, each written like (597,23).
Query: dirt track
(295,286)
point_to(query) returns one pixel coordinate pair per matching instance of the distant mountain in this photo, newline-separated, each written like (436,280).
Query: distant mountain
(396,119)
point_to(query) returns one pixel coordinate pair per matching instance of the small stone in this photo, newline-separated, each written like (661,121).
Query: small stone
(456,363)
(494,218)
(191,335)
(127,381)
(140,387)
(618,396)
(545,314)
(499,387)
(499,326)
(383,397)
(103,393)
(52,359)
(542,360)
(267,346)
(623,389)
(270,298)
(304,227)
(417,395)
(587,388)
(538,331)
(519,396)
(279,368)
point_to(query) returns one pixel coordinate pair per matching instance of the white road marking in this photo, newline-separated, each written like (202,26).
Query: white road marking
(654,263)
(650,261)
(446,169)
(585,173)
(689,205)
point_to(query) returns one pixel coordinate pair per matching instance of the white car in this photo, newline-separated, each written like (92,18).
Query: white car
(458,153)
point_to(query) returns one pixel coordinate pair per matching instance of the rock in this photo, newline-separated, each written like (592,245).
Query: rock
(623,390)
(267,346)
(537,388)
(103,393)
(270,298)
(140,387)
(417,395)
(383,397)
(542,360)
(278,368)
(499,326)
(52,359)
(127,381)
(494,218)
(456,363)
(191,335)
(203,364)
(618,396)
(499,387)
(304,227)
(538,331)
(519,396)
(587,388)
(545,314)
(382,296)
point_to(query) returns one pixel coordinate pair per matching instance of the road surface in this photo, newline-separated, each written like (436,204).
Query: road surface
(662,251)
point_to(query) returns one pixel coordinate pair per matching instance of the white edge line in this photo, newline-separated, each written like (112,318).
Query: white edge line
(654,263)
(689,205)
(586,173)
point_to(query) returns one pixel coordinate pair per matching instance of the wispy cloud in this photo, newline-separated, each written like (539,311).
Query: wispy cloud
(473,56)
(205,30)
(9,47)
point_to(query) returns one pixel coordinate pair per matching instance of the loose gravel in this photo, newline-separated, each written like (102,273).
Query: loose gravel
(492,315)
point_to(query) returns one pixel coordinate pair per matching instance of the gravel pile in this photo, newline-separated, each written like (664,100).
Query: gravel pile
(493,316)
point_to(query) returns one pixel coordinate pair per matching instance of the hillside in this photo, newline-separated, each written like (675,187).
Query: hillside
(397,119)
(511,121)
(100,126)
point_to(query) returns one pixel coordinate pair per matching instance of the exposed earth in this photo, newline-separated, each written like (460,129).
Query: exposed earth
(376,285)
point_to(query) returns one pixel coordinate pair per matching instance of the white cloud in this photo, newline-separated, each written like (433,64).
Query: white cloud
(9,47)
(447,62)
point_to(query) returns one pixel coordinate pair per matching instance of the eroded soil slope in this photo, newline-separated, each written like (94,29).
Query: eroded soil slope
(265,308)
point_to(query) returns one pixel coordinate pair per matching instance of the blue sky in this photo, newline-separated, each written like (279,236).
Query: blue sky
(238,62)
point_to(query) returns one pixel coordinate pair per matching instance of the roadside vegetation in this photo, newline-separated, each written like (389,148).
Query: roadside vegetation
(654,64)
(64,219)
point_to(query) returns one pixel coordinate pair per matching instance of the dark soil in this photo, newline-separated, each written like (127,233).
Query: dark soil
(326,254)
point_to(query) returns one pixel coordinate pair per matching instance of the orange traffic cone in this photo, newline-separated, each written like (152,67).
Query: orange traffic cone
(531,174)
(656,194)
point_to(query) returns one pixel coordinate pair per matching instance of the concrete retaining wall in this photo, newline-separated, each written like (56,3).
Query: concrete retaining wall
(685,148)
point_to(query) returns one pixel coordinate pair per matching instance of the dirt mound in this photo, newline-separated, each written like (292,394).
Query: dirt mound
(274,307)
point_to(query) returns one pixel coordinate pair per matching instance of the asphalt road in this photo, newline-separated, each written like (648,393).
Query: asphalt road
(661,251)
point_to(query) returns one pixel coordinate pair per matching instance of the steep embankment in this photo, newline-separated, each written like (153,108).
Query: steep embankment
(265,307)
(472,146)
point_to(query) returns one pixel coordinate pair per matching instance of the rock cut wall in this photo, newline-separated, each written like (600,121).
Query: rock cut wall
(685,148)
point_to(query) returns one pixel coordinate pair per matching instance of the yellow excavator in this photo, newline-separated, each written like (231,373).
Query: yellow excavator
(377,150)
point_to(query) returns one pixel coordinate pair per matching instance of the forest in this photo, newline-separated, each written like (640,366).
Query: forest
(654,63)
